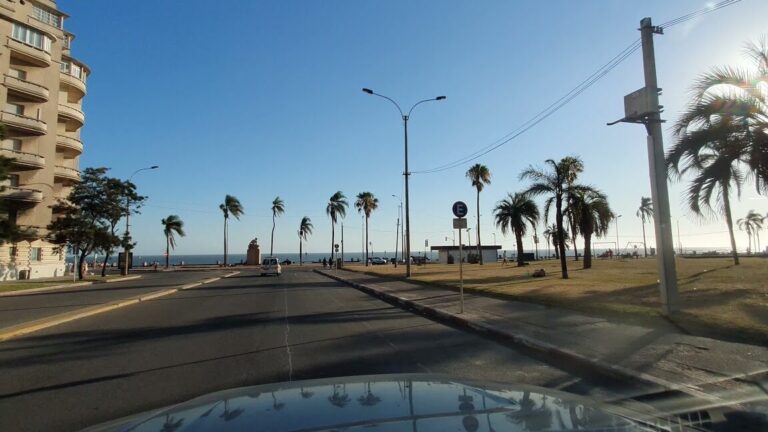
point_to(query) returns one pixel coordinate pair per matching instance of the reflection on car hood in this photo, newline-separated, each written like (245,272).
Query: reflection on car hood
(382,403)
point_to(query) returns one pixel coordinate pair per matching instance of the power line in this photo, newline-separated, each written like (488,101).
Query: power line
(576,91)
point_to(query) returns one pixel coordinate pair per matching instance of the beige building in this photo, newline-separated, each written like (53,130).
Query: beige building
(41,97)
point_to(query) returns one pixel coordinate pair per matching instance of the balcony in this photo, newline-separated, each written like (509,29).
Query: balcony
(29,54)
(73,81)
(66,174)
(24,124)
(69,145)
(21,194)
(26,89)
(22,160)
(71,113)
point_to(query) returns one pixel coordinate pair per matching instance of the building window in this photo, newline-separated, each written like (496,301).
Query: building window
(14,108)
(36,254)
(13,180)
(73,69)
(12,144)
(47,16)
(31,37)
(13,251)
(17,73)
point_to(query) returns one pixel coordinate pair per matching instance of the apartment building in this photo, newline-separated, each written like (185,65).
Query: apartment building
(41,96)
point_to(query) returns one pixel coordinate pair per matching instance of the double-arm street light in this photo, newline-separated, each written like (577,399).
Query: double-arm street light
(407,174)
(127,219)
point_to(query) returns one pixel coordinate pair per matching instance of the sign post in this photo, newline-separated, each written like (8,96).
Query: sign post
(460,210)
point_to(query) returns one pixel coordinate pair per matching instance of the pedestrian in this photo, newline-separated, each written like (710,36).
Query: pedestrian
(155,265)
(325,262)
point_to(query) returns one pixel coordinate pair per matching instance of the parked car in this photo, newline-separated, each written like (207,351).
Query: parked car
(286,262)
(270,266)
(378,261)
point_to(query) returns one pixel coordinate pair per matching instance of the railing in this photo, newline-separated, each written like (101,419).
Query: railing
(31,53)
(72,112)
(24,158)
(26,86)
(69,142)
(24,122)
(21,194)
(67,172)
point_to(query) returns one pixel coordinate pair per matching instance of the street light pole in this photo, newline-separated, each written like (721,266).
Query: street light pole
(618,246)
(127,219)
(398,230)
(407,173)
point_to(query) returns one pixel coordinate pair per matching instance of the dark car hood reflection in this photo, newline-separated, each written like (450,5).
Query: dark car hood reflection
(381,403)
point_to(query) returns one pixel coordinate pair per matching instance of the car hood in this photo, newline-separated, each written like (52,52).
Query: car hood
(383,403)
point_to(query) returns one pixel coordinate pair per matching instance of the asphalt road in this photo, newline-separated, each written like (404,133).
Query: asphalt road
(239,331)
(16,309)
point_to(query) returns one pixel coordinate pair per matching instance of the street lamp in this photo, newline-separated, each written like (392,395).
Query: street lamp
(127,218)
(407,174)
(618,246)
(397,230)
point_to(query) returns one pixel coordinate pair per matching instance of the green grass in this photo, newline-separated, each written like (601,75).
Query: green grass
(49,282)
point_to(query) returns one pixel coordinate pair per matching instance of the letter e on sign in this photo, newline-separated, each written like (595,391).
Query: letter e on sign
(459,209)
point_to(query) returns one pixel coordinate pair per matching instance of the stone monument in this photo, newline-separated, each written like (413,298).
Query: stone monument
(254,253)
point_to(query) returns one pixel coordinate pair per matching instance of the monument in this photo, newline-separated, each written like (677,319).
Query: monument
(254,253)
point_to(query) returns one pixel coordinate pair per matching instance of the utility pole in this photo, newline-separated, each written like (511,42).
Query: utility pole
(679,242)
(658,168)
(342,243)
(397,237)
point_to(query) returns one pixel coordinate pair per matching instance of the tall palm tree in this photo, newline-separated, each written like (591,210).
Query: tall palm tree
(553,182)
(231,206)
(548,233)
(515,213)
(366,203)
(741,94)
(336,207)
(593,216)
(752,224)
(171,225)
(480,176)
(645,213)
(278,208)
(572,166)
(709,147)
(305,229)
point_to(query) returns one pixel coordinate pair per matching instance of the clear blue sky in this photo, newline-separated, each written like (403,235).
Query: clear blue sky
(258,99)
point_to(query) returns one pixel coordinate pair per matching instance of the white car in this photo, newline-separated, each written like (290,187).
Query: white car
(271,266)
(378,261)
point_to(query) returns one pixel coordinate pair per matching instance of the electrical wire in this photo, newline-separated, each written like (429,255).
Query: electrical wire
(576,91)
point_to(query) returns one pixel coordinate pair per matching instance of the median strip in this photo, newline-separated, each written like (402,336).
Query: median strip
(22,292)
(52,321)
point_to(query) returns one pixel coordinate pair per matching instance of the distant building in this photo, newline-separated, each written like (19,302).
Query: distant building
(42,93)
(450,254)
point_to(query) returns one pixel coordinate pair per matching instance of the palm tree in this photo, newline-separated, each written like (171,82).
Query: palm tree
(645,213)
(171,225)
(709,146)
(337,207)
(366,203)
(278,208)
(752,224)
(554,183)
(231,206)
(515,213)
(573,166)
(480,176)
(742,95)
(593,215)
(305,229)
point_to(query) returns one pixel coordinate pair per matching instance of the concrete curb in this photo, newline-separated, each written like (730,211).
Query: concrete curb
(41,324)
(552,351)
(63,286)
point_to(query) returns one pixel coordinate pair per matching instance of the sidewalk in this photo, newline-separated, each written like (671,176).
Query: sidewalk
(661,357)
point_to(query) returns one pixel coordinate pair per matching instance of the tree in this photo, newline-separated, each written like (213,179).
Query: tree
(553,182)
(480,176)
(752,224)
(645,213)
(366,203)
(709,147)
(278,208)
(593,216)
(514,214)
(572,166)
(83,223)
(305,229)
(171,225)
(118,194)
(336,208)
(741,95)
(231,206)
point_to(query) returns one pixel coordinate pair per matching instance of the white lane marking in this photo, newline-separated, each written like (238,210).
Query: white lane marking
(287,332)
